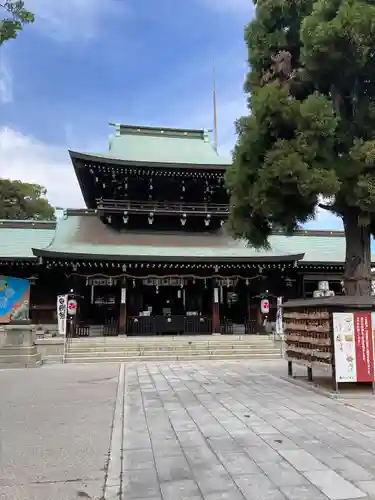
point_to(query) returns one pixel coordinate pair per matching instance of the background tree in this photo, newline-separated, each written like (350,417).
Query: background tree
(13,17)
(19,200)
(311,129)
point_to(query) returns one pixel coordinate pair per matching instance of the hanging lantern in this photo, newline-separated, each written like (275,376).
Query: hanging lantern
(288,283)
(265,306)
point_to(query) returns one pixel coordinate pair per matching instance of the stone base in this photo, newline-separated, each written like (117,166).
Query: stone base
(17,347)
(51,350)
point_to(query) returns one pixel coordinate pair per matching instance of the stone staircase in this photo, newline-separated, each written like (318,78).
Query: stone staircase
(183,348)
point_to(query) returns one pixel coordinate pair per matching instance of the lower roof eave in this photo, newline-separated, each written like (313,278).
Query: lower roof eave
(75,155)
(22,259)
(325,264)
(147,258)
(322,264)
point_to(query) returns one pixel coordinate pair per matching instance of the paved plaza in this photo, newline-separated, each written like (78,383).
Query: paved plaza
(180,430)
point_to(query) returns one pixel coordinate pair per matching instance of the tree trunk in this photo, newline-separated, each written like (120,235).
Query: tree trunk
(357,277)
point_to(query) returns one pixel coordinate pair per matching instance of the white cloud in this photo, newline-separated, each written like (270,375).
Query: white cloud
(72,20)
(6,80)
(29,160)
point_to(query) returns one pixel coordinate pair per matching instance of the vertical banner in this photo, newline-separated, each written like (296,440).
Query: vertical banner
(364,346)
(279,316)
(345,347)
(62,313)
(14,299)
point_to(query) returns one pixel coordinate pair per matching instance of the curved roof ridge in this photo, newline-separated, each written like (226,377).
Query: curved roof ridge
(57,226)
(122,128)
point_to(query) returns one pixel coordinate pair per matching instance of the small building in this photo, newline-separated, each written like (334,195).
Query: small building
(151,254)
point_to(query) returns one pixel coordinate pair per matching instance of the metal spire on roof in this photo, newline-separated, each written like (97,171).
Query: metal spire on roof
(214,104)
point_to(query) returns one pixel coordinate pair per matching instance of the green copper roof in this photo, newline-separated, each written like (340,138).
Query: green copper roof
(86,235)
(318,246)
(162,145)
(79,235)
(18,238)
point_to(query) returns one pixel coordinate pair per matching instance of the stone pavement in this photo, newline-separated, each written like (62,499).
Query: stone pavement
(229,431)
(55,426)
(179,430)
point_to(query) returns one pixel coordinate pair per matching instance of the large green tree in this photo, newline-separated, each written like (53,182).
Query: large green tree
(309,139)
(20,200)
(13,17)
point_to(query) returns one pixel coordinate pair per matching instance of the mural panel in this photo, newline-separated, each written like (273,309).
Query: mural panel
(14,299)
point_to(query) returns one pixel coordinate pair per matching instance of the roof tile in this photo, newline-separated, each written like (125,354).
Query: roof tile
(18,242)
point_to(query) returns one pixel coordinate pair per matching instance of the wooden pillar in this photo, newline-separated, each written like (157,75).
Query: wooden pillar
(259,318)
(215,311)
(123,311)
(248,303)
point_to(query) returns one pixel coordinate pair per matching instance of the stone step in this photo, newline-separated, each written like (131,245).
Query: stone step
(157,347)
(17,351)
(176,338)
(53,359)
(175,352)
(144,345)
(142,349)
(122,359)
(20,361)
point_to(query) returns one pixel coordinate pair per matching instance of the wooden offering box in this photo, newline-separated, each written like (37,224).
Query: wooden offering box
(334,334)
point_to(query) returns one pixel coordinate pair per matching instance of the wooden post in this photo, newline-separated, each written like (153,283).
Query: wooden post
(335,384)
(215,311)
(249,318)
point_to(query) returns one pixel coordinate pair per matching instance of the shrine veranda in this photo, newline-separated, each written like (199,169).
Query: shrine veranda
(150,254)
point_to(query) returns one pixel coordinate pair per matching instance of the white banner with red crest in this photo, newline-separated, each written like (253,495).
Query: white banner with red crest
(62,313)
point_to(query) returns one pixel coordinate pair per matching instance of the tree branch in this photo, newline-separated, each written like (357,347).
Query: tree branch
(330,208)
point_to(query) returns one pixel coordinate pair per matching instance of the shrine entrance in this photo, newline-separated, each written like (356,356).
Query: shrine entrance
(98,308)
(170,305)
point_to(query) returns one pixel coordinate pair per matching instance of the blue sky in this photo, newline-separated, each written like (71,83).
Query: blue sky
(87,62)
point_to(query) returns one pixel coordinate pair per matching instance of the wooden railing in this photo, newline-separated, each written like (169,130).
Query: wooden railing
(164,325)
(172,325)
(108,330)
(247,327)
(160,207)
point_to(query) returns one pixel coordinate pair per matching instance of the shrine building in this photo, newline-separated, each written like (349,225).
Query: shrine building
(150,253)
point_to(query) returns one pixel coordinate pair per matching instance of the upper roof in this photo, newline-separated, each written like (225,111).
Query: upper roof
(157,145)
(18,238)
